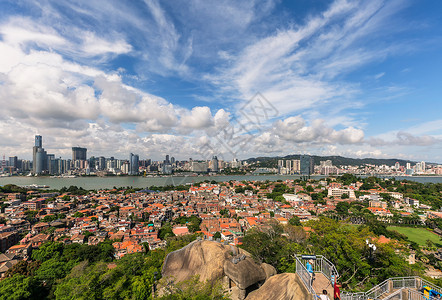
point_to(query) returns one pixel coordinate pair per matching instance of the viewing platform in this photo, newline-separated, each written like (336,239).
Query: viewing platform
(397,288)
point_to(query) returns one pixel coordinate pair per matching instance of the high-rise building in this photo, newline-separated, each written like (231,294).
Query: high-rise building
(39,158)
(306,165)
(13,162)
(40,162)
(199,167)
(296,164)
(101,163)
(288,166)
(50,163)
(214,164)
(79,153)
(38,141)
(134,164)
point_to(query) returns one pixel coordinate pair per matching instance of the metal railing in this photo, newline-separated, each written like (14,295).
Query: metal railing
(378,290)
(431,285)
(306,277)
(415,295)
(396,295)
(321,265)
(391,286)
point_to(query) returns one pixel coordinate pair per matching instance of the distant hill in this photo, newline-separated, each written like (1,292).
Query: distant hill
(272,162)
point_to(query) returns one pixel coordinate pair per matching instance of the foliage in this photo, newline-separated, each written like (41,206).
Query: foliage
(50,218)
(78,215)
(23,267)
(295,221)
(342,208)
(74,190)
(30,214)
(12,188)
(194,289)
(265,245)
(165,231)
(344,246)
(18,287)
(193,222)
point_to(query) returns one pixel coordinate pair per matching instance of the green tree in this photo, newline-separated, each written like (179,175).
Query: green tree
(342,208)
(47,251)
(18,287)
(295,221)
(165,231)
(50,218)
(217,235)
(51,270)
(23,267)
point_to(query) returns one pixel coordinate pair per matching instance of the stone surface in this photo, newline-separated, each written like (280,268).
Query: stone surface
(269,270)
(211,261)
(245,273)
(286,286)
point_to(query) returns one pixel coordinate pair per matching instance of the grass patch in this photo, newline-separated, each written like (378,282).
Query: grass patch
(418,235)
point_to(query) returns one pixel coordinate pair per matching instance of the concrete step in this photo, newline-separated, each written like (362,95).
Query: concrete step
(322,283)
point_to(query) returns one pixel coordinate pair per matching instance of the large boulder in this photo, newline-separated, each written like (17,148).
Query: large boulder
(244,273)
(213,261)
(286,286)
(269,270)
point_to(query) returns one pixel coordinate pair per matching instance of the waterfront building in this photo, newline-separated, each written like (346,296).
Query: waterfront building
(133,164)
(306,165)
(199,167)
(13,162)
(215,162)
(40,160)
(79,153)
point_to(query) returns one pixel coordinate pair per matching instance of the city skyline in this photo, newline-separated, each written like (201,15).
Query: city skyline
(350,78)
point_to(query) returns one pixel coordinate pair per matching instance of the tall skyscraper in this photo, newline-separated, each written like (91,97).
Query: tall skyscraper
(134,164)
(306,165)
(215,164)
(39,160)
(40,164)
(79,153)
(38,141)
(101,163)
(288,166)
(13,162)
(296,165)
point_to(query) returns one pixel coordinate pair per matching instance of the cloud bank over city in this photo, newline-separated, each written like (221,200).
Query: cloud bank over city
(352,78)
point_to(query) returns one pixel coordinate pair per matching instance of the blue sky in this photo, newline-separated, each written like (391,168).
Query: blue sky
(227,78)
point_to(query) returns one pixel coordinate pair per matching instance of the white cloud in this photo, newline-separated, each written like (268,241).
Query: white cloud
(94,45)
(199,118)
(295,129)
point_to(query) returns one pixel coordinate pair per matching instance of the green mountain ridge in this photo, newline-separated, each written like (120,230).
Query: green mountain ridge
(266,161)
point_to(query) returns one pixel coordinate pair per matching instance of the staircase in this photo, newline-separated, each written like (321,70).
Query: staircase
(396,288)
(324,271)
(403,288)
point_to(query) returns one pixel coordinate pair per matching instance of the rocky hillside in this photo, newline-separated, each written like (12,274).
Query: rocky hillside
(239,274)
